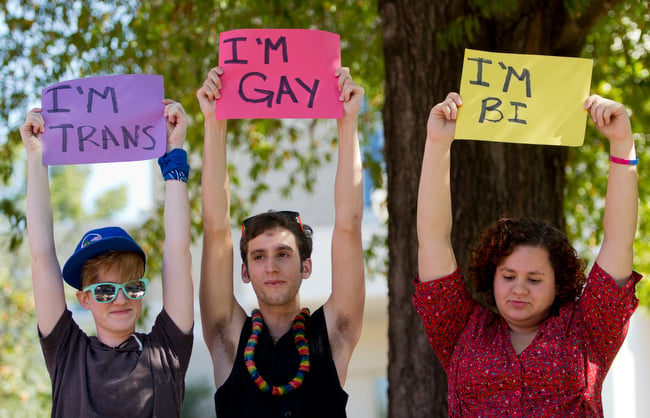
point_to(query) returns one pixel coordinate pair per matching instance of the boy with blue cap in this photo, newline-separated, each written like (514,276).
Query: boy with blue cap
(120,372)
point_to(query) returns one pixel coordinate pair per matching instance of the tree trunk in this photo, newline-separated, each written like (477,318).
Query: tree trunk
(488,179)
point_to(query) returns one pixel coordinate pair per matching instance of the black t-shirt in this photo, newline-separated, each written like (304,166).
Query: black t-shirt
(320,395)
(91,379)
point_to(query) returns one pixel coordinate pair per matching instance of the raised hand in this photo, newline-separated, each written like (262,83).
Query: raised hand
(210,92)
(31,131)
(441,126)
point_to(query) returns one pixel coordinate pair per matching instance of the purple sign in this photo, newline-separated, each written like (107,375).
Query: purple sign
(104,119)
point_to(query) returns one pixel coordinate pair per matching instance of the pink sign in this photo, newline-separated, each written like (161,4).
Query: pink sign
(279,73)
(104,119)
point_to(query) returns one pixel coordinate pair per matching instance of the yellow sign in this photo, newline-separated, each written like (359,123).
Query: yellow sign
(526,99)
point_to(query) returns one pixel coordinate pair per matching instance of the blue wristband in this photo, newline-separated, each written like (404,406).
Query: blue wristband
(174,166)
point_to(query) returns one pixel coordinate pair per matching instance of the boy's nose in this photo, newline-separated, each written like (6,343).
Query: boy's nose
(120,297)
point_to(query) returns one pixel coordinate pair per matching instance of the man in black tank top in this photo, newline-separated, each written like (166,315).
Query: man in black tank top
(283,360)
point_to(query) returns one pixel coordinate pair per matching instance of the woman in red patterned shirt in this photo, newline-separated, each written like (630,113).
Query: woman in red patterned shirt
(542,338)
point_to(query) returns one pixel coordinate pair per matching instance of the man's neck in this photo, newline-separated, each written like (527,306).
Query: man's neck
(278,320)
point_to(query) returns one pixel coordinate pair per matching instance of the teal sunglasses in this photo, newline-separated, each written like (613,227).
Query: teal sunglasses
(107,292)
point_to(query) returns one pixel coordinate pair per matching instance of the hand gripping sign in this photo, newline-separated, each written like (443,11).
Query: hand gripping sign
(279,73)
(527,99)
(104,119)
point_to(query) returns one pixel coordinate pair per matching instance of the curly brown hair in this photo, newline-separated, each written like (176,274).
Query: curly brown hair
(500,239)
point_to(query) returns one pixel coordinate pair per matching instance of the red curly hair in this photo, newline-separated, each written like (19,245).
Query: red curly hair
(500,239)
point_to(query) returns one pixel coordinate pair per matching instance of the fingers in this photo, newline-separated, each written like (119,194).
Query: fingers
(594,105)
(174,112)
(343,73)
(611,119)
(34,122)
(603,111)
(31,130)
(590,100)
(212,85)
(449,107)
(177,123)
(346,85)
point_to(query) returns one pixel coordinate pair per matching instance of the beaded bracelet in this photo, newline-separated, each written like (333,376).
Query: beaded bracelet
(623,160)
(174,166)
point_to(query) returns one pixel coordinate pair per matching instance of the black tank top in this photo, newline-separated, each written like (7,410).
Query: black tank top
(320,395)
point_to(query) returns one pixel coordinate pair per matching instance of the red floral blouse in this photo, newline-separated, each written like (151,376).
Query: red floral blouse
(560,374)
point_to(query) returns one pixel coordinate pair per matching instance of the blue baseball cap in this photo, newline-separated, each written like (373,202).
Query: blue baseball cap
(96,242)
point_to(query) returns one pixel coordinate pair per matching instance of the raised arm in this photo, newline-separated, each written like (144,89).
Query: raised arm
(621,201)
(344,308)
(436,257)
(49,298)
(178,288)
(222,317)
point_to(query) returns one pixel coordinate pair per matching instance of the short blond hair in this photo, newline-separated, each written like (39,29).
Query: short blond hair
(128,266)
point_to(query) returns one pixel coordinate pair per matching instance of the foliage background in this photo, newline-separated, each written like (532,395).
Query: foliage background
(44,42)
(620,48)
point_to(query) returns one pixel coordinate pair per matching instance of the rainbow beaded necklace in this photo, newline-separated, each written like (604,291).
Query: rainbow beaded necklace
(303,351)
